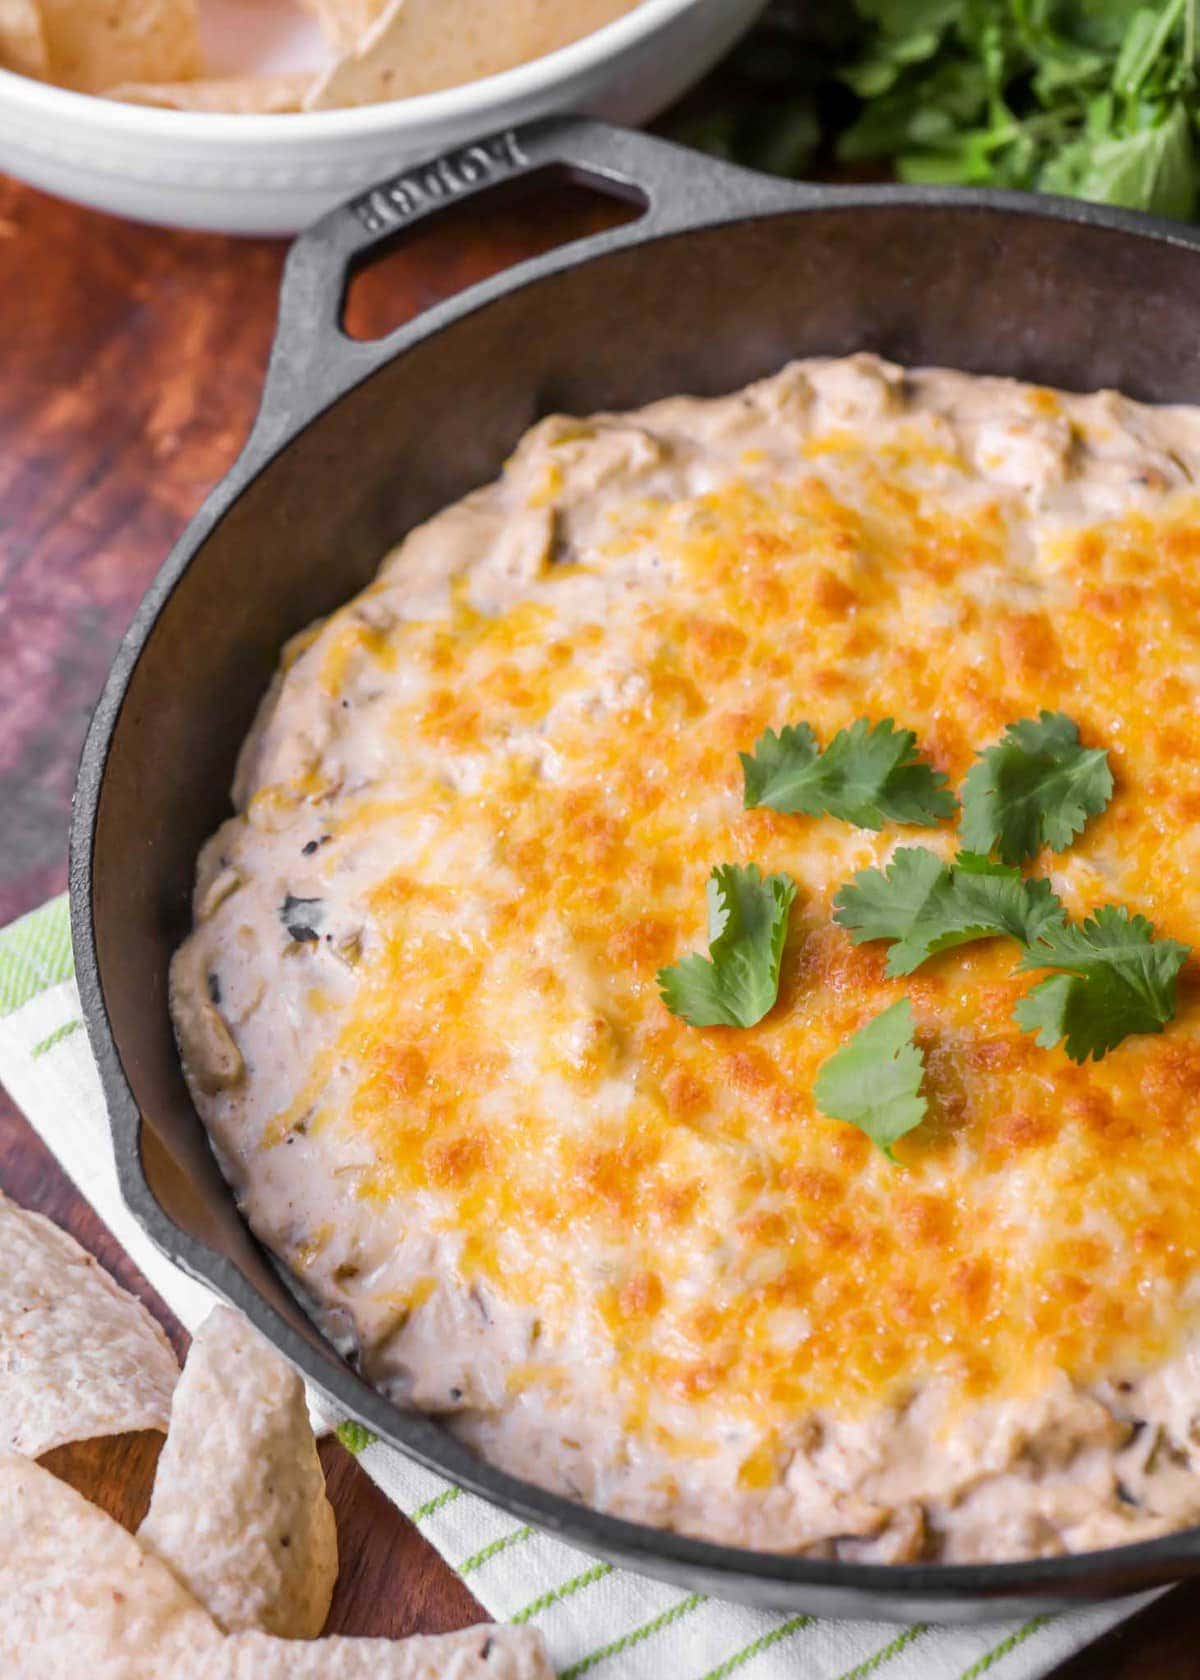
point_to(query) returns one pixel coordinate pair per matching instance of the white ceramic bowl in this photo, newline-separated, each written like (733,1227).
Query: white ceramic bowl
(274,174)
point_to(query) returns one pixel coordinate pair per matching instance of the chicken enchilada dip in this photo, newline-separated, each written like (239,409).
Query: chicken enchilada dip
(696,987)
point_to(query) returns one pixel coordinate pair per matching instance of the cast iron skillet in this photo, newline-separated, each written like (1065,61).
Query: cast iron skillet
(726,275)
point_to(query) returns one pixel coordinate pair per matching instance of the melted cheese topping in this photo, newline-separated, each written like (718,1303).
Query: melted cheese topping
(525,1067)
(519,761)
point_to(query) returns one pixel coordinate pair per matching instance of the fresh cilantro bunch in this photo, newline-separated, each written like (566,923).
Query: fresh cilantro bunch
(1094,98)
(1098,99)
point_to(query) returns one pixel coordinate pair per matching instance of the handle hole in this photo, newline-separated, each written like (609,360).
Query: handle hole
(477,237)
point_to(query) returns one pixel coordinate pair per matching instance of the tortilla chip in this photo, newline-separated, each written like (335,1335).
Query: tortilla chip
(94,44)
(239,1509)
(22,43)
(79,1356)
(420,46)
(344,22)
(478,1653)
(78,1596)
(241,94)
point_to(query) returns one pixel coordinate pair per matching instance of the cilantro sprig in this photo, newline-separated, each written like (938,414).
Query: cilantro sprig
(925,905)
(874,1080)
(1115,979)
(1036,786)
(747,927)
(869,774)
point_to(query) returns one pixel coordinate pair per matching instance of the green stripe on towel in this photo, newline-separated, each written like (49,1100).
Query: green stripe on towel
(873,1663)
(485,1554)
(556,1595)
(35,954)
(355,1437)
(48,1043)
(636,1636)
(983,1663)
(435,1504)
(785,1630)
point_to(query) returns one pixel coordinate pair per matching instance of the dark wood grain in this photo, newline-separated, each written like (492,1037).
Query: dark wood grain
(130,365)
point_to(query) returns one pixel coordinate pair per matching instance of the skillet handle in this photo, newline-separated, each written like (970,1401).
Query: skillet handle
(313,361)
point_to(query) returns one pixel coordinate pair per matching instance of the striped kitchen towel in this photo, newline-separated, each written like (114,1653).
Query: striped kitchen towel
(597,1619)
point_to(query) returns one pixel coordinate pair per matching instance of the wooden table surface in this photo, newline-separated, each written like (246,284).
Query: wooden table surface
(130,366)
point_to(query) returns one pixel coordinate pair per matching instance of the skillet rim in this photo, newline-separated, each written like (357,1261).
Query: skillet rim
(961,1590)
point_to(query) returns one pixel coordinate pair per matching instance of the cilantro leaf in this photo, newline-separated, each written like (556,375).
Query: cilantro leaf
(927,906)
(869,774)
(1153,168)
(1036,786)
(747,926)
(1116,979)
(874,1081)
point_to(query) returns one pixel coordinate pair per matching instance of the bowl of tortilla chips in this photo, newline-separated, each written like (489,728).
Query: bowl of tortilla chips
(255,116)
